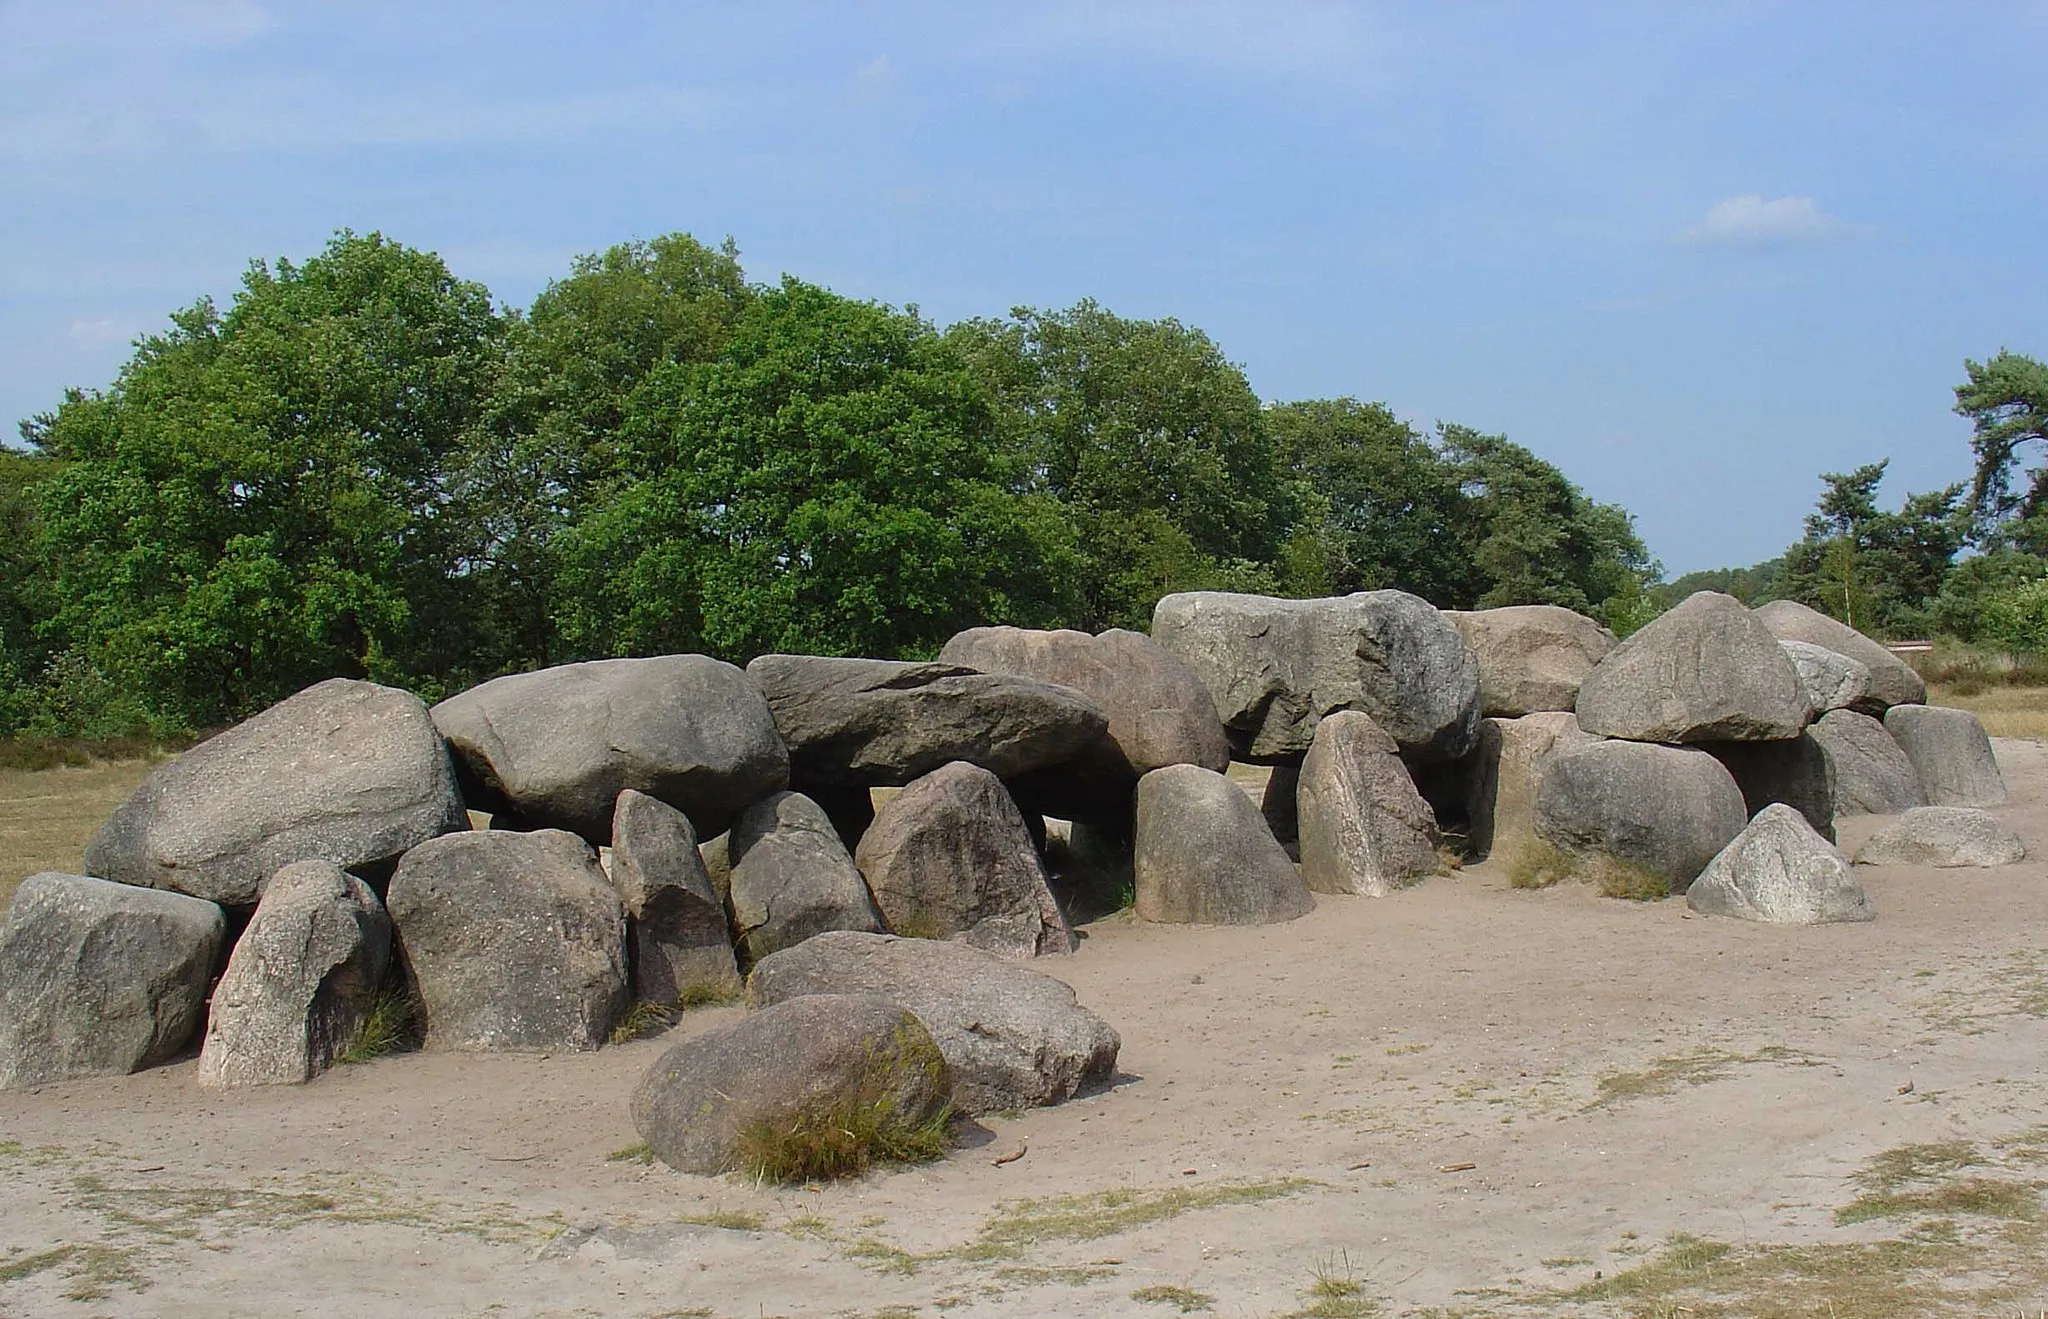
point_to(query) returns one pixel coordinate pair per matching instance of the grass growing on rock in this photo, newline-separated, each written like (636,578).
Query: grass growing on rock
(862,1128)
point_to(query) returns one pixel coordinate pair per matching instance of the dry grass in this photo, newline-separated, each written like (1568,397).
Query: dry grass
(1540,864)
(47,816)
(2004,711)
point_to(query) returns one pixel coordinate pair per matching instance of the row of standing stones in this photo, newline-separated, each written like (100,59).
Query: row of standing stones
(658,826)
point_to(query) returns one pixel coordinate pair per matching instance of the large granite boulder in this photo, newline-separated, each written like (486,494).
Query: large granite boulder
(869,722)
(791,877)
(678,933)
(1778,870)
(1949,752)
(1159,712)
(1013,1038)
(1795,772)
(1833,681)
(300,982)
(1531,657)
(515,941)
(1871,772)
(554,748)
(1506,772)
(949,857)
(1664,810)
(1203,854)
(810,1062)
(100,979)
(1943,836)
(1363,827)
(1705,671)
(345,771)
(1892,680)
(1276,668)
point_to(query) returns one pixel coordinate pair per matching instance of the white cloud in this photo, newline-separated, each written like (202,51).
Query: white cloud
(876,79)
(99,330)
(1751,219)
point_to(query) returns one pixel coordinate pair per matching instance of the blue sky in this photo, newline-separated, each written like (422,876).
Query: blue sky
(1694,254)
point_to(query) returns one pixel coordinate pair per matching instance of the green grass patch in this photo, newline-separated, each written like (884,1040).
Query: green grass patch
(1922,1181)
(729,1219)
(642,1020)
(1539,863)
(638,1152)
(711,993)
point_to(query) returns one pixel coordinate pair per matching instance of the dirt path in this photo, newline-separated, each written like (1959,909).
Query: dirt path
(1842,1116)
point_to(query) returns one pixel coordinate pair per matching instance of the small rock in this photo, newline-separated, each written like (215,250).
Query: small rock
(1892,680)
(1832,681)
(1779,870)
(1943,836)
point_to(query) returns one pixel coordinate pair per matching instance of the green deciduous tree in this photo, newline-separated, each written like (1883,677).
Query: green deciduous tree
(260,500)
(1149,438)
(829,484)
(1536,538)
(1383,507)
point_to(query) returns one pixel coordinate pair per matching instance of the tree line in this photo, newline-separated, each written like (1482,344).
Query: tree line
(1968,561)
(366,466)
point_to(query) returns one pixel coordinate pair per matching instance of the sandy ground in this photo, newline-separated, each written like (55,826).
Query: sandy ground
(1295,1102)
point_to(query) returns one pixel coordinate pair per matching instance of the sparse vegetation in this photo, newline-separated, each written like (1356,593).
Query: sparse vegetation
(1335,1294)
(1919,1181)
(638,1152)
(1107,1213)
(1539,864)
(863,1128)
(711,993)
(728,1219)
(1665,1075)
(1185,1299)
(642,1020)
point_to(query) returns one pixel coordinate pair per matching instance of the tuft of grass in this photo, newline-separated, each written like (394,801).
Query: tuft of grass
(730,1220)
(858,1130)
(711,993)
(1538,863)
(92,1269)
(638,1152)
(1335,1294)
(392,1025)
(642,1020)
(1187,1300)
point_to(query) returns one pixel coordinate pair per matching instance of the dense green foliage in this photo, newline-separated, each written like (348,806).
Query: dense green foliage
(367,467)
